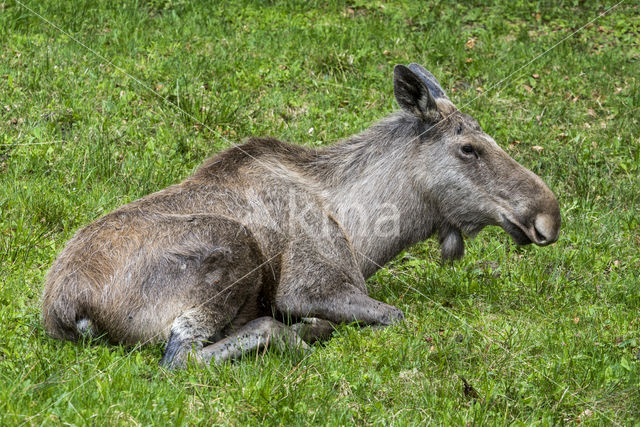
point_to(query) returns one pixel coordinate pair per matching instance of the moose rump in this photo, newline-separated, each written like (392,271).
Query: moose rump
(192,265)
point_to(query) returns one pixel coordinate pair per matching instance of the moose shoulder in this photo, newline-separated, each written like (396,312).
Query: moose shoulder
(269,231)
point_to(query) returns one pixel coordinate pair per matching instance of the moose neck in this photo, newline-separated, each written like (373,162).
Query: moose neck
(372,193)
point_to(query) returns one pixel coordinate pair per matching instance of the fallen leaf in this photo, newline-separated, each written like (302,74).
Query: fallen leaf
(470,44)
(535,76)
(537,148)
(585,414)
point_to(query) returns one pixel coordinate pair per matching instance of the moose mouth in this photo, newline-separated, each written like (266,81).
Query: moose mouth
(539,233)
(516,233)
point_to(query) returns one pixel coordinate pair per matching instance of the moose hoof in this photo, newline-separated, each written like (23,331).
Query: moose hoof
(395,315)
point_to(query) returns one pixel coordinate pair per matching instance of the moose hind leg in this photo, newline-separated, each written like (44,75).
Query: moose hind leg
(255,335)
(226,282)
(312,329)
(189,331)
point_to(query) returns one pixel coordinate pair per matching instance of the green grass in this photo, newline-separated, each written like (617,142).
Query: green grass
(543,335)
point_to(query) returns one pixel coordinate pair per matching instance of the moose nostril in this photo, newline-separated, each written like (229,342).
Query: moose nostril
(544,228)
(539,236)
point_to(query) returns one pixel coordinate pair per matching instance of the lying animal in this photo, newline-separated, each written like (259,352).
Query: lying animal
(268,231)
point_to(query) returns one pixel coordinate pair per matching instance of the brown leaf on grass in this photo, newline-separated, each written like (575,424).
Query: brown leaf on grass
(535,75)
(348,12)
(537,148)
(527,88)
(471,43)
(584,415)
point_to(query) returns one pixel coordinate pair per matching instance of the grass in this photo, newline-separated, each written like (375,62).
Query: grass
(540,335)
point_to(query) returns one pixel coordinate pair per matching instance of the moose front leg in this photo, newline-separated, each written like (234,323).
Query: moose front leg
(340,306)
(313,286)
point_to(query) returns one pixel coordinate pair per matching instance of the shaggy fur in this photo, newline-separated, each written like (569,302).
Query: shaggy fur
(270,230)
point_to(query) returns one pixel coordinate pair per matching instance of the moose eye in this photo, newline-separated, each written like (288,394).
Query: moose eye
(459,129)
(467,149)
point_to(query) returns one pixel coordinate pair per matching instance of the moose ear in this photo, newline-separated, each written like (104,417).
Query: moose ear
(432,83)
(413,95)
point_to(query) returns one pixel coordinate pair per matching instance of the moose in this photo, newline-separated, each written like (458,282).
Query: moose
(270,243)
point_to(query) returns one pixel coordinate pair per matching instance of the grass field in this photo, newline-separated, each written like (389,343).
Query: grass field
(113,100)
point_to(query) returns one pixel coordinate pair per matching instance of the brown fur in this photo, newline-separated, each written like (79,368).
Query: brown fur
(269,230)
